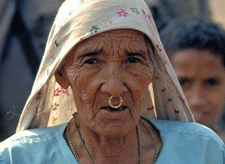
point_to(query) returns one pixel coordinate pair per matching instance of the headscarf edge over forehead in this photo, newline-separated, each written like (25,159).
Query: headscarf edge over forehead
(49,104)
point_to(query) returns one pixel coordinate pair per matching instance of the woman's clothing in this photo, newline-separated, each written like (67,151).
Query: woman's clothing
(220,132)
(78,20)
(182,142)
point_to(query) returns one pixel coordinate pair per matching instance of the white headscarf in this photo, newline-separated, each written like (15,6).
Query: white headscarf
(49,104)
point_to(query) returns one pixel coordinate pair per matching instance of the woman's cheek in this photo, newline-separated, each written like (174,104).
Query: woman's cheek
(77,76)
(84,83)
(139,85)
(74,76)
(143,76)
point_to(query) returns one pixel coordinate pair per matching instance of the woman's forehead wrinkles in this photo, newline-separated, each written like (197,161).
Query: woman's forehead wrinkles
(113,37)
(87,45)
(120,34)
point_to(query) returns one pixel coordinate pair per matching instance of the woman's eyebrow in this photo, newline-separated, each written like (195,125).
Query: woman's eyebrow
(136,54)
(94,53)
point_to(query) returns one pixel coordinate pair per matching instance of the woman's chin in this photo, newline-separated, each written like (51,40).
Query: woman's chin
(114,123)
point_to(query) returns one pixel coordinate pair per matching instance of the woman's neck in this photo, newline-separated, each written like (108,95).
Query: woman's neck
(141,144)
(111,149)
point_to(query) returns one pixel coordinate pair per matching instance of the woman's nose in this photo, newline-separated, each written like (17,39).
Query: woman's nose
(114,83)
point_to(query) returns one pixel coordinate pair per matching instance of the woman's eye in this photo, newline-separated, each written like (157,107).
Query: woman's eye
(212,82)
(91,61)
(133,60)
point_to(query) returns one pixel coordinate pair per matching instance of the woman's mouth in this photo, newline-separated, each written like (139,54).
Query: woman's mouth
(110,109)
(114,113)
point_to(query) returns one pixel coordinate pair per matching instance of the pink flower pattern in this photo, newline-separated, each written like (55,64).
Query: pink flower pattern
(52,56)
(143,12)
(59,91)
(150,108)
(182,99)
(176,111)
(122,13)
(159,48)
(149,17)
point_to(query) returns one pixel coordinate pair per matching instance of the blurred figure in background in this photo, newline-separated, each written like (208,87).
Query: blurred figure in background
(196,48)
(164,11)
(24,27)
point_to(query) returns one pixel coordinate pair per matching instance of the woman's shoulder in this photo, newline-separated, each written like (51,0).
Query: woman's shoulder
(189,142)
(26,136)
(193,129)
(26,144)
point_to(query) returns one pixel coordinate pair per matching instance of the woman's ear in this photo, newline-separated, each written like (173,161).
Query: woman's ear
(61,78)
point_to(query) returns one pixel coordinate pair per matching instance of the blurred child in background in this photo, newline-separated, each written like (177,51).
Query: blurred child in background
(196,48)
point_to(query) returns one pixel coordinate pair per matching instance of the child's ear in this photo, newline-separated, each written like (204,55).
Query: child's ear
(62,78)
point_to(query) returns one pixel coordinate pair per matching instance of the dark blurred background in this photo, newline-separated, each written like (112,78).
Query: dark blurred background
(24,27)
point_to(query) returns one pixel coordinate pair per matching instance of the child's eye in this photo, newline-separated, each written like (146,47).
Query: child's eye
(91,61)
(133,60)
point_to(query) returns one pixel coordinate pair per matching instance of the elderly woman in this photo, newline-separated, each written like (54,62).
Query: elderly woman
(103,69)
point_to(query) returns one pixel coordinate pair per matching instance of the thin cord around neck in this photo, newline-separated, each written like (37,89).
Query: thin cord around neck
(84,145)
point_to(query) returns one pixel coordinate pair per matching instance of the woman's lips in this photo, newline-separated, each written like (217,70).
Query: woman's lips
(114,109)
(114,113)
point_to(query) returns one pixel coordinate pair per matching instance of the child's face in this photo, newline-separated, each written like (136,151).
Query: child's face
(202,77)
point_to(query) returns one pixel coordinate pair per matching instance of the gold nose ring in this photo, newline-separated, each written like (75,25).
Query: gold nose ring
(115,106)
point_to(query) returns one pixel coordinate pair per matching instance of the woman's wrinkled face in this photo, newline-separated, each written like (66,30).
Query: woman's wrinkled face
(202,77)
(115,63)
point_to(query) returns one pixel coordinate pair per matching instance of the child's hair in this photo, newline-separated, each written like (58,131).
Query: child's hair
(194,33)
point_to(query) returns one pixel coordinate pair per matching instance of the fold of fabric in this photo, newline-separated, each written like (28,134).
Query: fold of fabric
(49,104)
